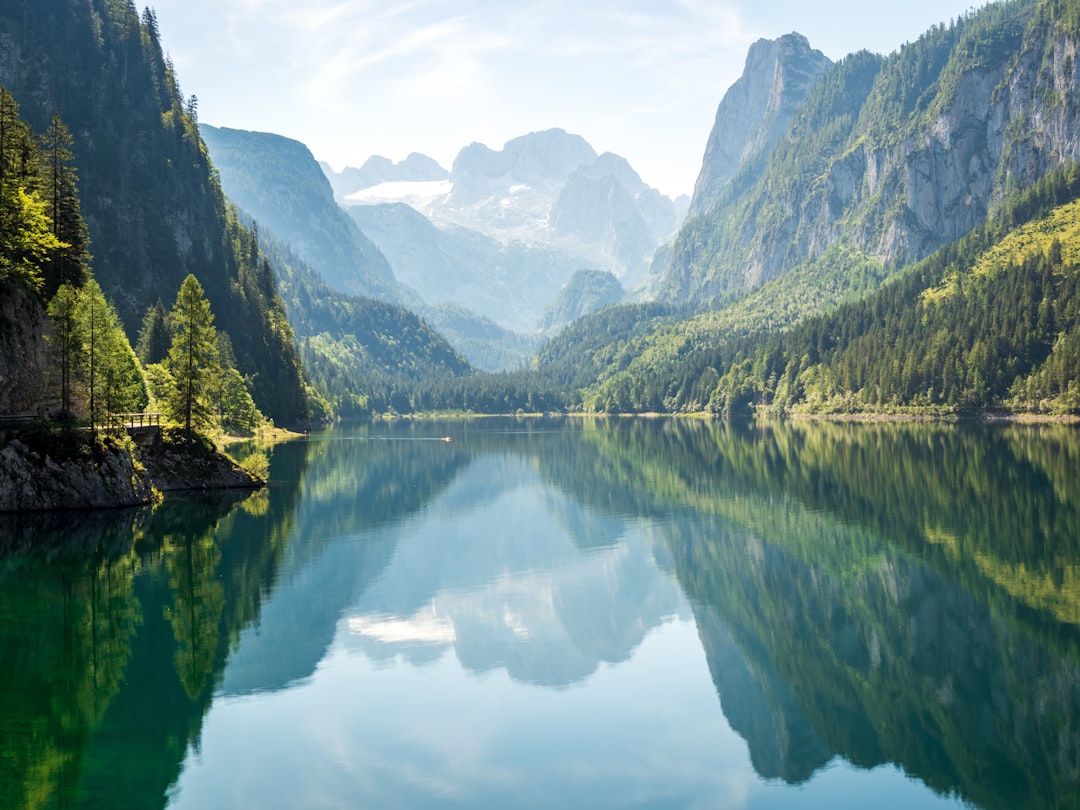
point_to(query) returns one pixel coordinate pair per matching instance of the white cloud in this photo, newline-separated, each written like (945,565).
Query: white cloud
(353,78)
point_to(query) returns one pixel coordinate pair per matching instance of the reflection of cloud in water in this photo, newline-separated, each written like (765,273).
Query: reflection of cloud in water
(425,627)
(549,596)
(550,626)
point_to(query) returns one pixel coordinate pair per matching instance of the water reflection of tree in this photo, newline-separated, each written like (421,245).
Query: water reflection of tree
(900,593)
(198,599)
(113,629)
(65,630)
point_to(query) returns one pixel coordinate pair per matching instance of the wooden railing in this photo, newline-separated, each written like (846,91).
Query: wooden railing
(17,418)
(132,420)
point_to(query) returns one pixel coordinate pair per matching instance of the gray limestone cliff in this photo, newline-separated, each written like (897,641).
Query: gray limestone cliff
(890,158)
(756,111)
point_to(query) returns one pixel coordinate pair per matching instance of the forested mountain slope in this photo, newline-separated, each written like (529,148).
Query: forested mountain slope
(891,158)
(988,323)
(364,356)
(151,200)
(278,182)
(887,160)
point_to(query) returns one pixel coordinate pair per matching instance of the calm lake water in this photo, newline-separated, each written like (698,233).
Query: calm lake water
(565,613)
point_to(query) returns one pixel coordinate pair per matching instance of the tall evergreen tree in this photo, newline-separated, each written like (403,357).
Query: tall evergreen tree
(26,237)
(154,339)
(193,358)
(68,327)
(113,381)
(69,261)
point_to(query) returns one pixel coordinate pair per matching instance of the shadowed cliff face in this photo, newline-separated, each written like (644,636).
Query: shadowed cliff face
(24,353)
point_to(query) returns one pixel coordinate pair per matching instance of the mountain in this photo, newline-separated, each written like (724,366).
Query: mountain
(486,345)
(540,161)
(362,355)
(152,204)
(548,190)
(278,182)
(892,158)
(479,290)
(509,283)
(888,160)
(587,291)
(416,168)
(756,112)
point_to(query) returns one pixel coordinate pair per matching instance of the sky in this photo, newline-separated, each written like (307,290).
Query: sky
(640,78)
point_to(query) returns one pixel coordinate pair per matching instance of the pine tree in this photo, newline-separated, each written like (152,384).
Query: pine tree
(26,237)
(113,380)
(68,341)
(193,358)
(153,342)
(69,262)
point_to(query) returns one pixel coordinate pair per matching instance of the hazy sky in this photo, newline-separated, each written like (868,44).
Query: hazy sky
(641,78)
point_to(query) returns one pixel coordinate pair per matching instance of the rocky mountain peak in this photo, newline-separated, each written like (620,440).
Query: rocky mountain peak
(378,169)
(757,110)
(540,160)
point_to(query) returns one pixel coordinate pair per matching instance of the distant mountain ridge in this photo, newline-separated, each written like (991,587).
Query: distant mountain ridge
(277,181)
(549,189)
(378,169)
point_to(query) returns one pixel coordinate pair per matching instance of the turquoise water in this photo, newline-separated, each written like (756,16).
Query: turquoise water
(563,613)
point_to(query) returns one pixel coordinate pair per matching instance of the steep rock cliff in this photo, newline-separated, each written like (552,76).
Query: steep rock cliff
(756,112)
(23,353)
(892,158)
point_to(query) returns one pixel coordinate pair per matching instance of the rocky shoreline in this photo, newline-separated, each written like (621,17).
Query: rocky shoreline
(42,470)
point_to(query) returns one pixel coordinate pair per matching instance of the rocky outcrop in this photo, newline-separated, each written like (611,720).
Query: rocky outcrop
(176,462)
(40,471)
(23,352)
(46,471)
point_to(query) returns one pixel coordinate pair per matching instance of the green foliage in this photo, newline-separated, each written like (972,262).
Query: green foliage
(114,379)
(69,260)
(26,238)
(28,233)
(987,323)
(236,409)
(362,356)
(585,292)
(257,465)
(150,196)
(68,341)
(154,340)
(192,361)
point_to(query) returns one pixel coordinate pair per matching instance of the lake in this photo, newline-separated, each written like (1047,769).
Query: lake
(504,613)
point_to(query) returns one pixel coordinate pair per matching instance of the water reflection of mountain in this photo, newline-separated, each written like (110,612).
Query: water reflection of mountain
(549,594)
(882,593)
(892,594)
